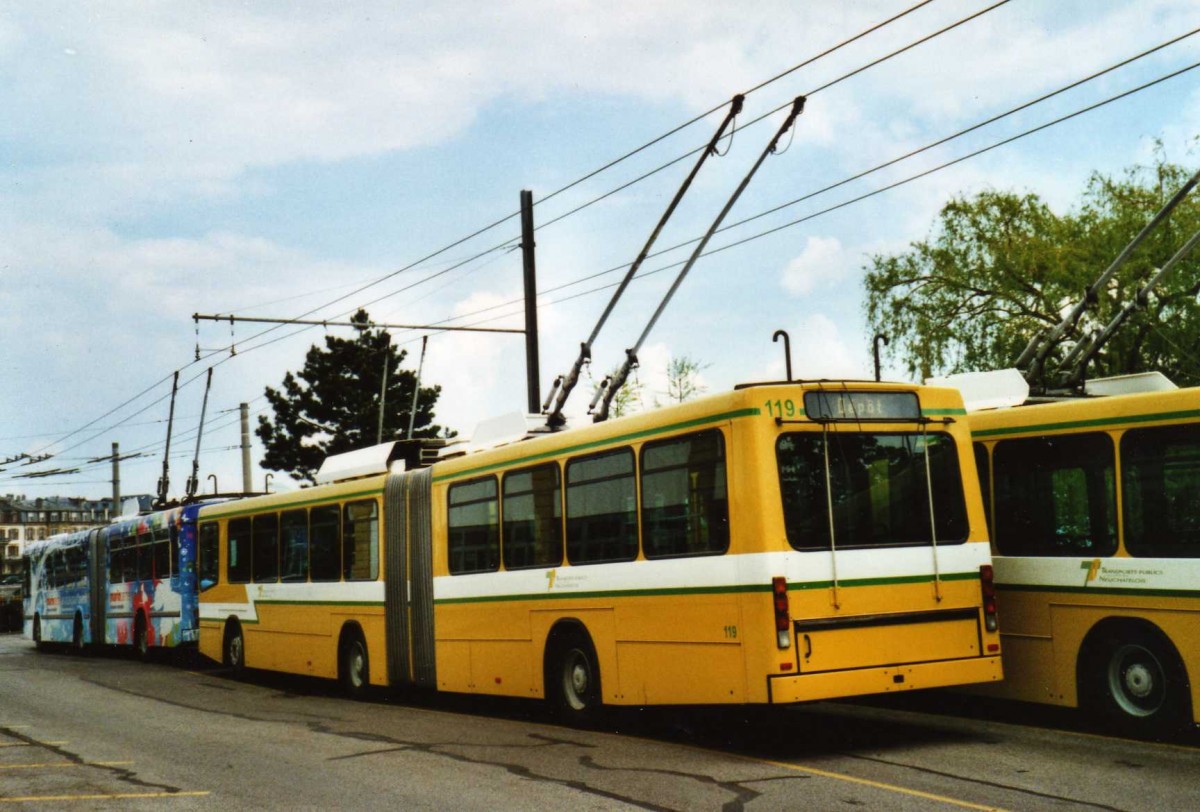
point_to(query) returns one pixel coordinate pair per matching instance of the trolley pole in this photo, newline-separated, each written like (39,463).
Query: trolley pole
(116,483)
(532,373)
(246,484)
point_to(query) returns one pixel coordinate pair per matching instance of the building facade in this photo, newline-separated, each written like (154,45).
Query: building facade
(24,520)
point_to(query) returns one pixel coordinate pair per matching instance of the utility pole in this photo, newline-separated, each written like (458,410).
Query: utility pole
(116,483)
(532,374)
(246,485)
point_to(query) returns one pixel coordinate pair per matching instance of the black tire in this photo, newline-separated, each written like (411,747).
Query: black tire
(235,650)
(1138,683)
(573,681)
(354,666)
(141,643)
(77,636)
(37,633)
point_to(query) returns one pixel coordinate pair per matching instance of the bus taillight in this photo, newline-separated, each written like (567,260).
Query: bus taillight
(988,583)
(783,618)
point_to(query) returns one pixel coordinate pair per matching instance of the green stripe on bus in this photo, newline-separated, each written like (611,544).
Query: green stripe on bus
(327,500)
(1101,590)
(261,602)
(562,594)
(901,579)
(1099,422)
(943,412)
(621,438)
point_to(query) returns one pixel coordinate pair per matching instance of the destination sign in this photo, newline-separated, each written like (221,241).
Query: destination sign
(842,405)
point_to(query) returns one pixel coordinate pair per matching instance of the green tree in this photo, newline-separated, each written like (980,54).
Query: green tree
(628,398)
(332,404)
(683,379)
(1001,267)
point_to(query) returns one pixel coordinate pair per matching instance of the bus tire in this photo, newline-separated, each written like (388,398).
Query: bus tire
(354,666)
(36,631)
(77,635)
(1136,681)
(573,680)
(234,650)
(141,644)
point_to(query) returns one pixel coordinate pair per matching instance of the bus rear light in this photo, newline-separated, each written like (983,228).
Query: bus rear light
(988,586)
(783,617)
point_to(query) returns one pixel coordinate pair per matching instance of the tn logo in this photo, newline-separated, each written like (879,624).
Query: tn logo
(550,576)
(1093,569)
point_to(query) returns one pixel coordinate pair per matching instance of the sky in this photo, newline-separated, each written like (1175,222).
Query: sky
(303,159)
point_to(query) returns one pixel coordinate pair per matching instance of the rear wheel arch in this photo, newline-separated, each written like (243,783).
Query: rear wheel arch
(233,646)
(572,674)
(1130,672)
(354,662)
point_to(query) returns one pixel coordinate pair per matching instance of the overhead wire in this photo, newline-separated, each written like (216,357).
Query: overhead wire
(857,176)
(871,29)
(841,205)
(773,111)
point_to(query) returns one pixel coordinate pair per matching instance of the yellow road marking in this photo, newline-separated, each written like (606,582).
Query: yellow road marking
(64,764)
(875,784)
(32,744)
(18,799)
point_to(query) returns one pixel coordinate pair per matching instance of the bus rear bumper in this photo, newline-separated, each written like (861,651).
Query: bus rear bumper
(884,680)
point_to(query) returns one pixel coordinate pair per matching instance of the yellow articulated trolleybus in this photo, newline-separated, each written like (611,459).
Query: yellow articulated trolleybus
(1095,508)
(775,544)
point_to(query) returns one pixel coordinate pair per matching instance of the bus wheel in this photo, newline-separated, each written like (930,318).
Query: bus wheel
(1140,684)
(573,681)
(354,667)
(235,650)
(77,636)
(141,646)
(37,633)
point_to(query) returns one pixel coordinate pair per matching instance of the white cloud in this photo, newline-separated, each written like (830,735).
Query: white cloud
(822,263)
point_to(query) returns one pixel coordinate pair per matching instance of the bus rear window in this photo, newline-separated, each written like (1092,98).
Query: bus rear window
(878,489)
(1160,482)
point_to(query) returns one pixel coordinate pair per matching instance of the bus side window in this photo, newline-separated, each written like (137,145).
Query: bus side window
(265,549)
(77,565)
(145,556)
(533,532)
(360,541)
(325,543)
(1055,495)
(1160,483)
(116,549)
(210,537)
(163,539)
(685,509)
(602,508)
(294,543)
(985,481)
(239,551)
(473,532)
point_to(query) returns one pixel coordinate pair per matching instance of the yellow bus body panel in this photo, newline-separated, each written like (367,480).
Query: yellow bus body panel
(1044,625)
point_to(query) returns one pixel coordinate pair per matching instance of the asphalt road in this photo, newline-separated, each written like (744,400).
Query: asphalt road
(102,732)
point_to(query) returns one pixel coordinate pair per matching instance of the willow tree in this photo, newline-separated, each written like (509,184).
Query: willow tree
(999,267)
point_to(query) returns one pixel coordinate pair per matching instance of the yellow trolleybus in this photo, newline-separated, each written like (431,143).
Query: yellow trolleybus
(1095,510)
(774,544)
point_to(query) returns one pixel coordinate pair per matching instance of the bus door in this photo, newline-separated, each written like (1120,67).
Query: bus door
(97,583)
(408,578)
